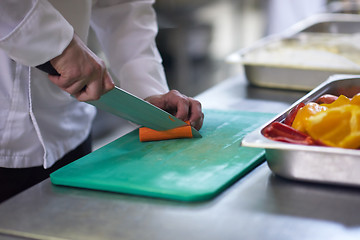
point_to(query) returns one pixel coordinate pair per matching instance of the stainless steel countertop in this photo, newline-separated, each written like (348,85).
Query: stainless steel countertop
(258,206)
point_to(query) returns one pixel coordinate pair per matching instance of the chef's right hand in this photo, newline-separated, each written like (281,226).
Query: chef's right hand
(82,73)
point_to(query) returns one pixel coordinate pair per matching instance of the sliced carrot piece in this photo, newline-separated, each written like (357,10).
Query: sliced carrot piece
(148,134)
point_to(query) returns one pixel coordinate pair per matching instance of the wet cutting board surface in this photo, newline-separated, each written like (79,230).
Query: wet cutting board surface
(183,169)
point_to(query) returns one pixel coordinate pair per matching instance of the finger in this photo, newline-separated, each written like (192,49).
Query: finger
(107,82)
(67,78)
(93,90)
(70,86)
(61,81)
(72,83)
(196,115)
(90,93)
(54,79)
(179,102)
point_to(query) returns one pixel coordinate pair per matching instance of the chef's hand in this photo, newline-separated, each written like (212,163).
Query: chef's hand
(82,73)
(181,106)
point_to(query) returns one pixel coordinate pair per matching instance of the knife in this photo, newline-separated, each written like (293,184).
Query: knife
(126,105)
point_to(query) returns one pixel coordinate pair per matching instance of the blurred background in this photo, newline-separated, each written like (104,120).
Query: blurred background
(195,37)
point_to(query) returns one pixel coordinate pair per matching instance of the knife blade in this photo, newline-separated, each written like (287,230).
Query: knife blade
(126,105)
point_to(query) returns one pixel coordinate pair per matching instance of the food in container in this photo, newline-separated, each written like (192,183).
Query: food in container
(314,163)
(304,55)
(318,51)
(329,121)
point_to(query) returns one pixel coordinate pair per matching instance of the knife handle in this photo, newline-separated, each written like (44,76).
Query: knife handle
(48,68)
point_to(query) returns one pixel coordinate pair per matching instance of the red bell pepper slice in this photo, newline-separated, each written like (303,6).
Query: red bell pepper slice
(327,99)
(292,114)
(284,133)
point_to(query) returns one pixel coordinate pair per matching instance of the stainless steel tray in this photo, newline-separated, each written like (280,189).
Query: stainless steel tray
(297,77)
(312,163)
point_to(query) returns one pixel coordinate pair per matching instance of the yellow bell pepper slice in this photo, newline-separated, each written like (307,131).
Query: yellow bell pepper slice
(304,113)
(355,100)
(337,126)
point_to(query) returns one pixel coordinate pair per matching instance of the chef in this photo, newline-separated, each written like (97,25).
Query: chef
(44,123)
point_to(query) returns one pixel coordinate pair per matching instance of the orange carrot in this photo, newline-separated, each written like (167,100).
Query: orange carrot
(147,134)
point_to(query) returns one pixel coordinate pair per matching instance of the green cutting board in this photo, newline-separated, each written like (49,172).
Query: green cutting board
(183,169)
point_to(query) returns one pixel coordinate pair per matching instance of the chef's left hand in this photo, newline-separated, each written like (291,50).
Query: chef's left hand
(179,105)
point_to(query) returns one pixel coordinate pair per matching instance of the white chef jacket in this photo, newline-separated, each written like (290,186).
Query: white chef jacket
(40,123)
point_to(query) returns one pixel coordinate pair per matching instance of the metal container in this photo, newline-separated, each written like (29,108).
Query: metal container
(290,75)
(312,163)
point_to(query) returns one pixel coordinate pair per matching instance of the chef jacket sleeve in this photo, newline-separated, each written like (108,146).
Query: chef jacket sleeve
(126,31)
(32,32)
